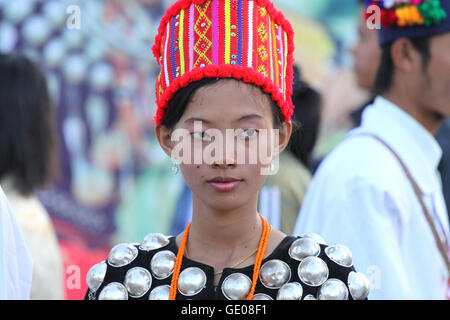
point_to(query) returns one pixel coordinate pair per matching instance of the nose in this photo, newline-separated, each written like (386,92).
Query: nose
(227,158)
(224,163)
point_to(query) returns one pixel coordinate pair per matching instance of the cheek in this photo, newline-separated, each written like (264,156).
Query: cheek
(434,87)
(445,71)
(358,54)
(254,177)
(375,56)
(260,151)
(193,174)
(439,78)
(367,59)
(370,58)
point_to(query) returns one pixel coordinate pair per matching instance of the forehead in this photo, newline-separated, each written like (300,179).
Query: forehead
(227,101)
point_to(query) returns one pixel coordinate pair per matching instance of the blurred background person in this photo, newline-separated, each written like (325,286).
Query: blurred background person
(16,265)
(27,162)
(379,191)
(366,59)
(97,61)
(367,55)
(443,138)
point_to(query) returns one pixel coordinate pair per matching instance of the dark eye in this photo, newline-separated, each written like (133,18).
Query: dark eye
(249,133)
(203,136)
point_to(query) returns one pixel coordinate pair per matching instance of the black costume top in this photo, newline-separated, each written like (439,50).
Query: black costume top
(299,268)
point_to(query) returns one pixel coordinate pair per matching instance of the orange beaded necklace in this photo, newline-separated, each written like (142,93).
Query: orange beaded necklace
(258,260)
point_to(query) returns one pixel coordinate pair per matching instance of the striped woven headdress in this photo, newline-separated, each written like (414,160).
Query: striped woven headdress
(248,40)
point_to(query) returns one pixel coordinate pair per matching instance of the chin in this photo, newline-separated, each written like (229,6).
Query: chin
(226,202)
(362,83)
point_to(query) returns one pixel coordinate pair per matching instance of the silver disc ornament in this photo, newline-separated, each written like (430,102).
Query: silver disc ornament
(236,286)
(274,273)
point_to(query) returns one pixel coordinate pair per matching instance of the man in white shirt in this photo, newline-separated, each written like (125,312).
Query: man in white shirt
(361,195)
(16,266)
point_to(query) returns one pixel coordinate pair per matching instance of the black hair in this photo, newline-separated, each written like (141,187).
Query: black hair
(307,116)
(179,102)
(27,139)
(386,69)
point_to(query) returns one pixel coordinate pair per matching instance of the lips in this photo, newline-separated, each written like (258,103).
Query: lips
(223,179)
(224,183)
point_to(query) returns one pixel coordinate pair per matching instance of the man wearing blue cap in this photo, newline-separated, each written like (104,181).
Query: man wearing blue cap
(379,191)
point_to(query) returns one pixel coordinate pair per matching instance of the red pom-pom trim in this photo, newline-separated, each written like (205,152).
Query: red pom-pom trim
(388,18)
(226,71)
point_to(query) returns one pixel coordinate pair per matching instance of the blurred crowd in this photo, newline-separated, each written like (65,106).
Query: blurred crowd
(79,163)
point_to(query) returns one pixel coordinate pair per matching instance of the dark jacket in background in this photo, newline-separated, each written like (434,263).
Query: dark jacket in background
(443,137)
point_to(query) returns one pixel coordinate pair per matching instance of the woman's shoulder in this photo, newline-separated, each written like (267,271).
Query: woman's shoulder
(324,271)
(127,262)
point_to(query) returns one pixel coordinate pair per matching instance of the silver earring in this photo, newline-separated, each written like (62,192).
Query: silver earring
(175,168)
(273,167)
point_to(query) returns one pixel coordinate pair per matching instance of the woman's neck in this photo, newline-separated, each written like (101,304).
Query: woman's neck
(224,231)
(221,239)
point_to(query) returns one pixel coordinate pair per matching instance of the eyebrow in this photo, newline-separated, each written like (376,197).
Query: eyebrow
(250,117)
(195,119)
(246,117)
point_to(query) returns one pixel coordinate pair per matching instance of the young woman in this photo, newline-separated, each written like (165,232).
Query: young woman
(224,93)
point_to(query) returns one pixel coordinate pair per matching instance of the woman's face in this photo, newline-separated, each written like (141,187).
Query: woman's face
(226,143)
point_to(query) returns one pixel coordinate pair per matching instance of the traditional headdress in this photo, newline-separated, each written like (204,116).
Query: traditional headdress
(411,18)
(248,40)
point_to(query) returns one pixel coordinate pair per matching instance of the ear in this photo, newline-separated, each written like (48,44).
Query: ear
(284,136)
(164,138)
(404,56)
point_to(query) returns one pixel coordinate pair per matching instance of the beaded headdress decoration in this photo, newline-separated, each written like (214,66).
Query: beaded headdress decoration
(403,13)
(248,40)
(410,19)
